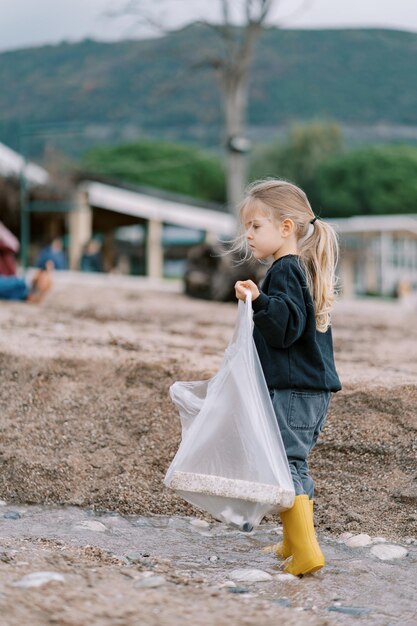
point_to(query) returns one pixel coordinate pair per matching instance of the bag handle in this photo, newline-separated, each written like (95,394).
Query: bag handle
(248,303)
(244,325)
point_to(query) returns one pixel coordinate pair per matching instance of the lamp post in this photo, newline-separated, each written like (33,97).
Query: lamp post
(238,148)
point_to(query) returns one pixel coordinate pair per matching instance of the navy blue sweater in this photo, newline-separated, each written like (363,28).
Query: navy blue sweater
(293,354)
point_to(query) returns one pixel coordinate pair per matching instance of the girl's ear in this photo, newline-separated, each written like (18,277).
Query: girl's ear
(287,227)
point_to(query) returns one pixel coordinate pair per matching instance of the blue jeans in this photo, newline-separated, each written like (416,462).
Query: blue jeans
(13,288)
(301,416)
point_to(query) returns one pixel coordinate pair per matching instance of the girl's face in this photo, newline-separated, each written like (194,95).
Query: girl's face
(263,234)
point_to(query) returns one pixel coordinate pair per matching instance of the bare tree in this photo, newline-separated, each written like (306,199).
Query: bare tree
(238,28)
(233,74)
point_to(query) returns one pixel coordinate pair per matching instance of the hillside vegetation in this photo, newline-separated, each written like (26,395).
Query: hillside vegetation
(351,76)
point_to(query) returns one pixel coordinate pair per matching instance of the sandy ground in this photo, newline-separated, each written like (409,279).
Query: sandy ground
(100,589)
(86,418)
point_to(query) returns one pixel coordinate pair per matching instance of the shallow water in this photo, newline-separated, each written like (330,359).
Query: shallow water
(354,587)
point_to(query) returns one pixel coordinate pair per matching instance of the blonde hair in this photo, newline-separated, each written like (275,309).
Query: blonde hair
(317,243)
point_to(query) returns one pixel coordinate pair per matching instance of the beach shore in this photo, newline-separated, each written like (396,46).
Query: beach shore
(86,419)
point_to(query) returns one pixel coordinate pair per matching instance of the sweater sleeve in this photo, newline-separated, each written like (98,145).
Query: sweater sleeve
(281,314)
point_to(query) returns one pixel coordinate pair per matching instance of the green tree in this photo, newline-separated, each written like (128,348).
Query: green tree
(371,181)
(299,155)
(174,167)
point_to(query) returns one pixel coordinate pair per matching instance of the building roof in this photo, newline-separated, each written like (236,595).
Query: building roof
(375,224)
(140,205)
(144,206)
(11,164)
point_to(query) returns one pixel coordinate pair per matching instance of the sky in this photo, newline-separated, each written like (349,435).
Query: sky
(26,23)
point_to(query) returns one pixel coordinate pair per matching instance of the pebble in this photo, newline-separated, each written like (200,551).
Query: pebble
(226,583)
(213,558)
(344,536)
(93,525)
(199,523)
(284,577)
(285,602)
(136,557)
(348,610)
(37,579)
(250,575)
(12,515)
(238,590)
(247,527)
(388,551)
(3,503)
(359,541)
(150,582)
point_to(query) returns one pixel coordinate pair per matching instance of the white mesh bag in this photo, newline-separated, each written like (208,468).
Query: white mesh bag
(231,461)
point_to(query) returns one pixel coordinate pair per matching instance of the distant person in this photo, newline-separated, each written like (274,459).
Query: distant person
(406,295)
(54,252)
(91,259)
(17,288)
(293,337)
(9,247)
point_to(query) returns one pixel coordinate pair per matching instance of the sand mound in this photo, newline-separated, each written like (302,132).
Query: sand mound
(86,418)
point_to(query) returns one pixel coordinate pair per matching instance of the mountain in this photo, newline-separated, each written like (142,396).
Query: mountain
(160,87)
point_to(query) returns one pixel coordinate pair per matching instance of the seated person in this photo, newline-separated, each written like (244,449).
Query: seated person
(53,252)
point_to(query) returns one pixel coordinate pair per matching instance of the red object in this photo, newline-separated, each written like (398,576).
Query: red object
(9,247)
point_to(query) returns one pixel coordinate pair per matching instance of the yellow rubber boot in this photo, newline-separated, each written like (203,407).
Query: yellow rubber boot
(306,555)
(283,549)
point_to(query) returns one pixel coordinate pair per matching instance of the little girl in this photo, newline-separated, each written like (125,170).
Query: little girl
(293,337)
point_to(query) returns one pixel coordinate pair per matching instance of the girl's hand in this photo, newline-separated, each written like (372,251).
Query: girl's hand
(242,285)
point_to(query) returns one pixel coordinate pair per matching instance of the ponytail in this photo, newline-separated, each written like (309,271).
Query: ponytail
(319,253)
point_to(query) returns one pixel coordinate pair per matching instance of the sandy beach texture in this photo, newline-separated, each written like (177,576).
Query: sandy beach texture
(86,418)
